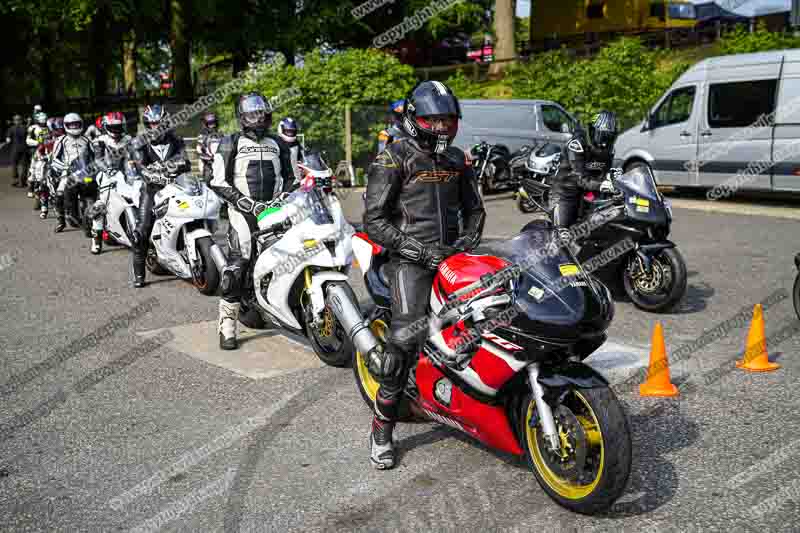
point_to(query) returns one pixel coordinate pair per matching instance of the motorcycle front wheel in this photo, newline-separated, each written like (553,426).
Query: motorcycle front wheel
(660,288)
(329,340)
(590,470)
(206,279)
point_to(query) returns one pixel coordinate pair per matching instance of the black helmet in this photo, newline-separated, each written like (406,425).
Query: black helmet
(603,130)
(431,99)
(254,113)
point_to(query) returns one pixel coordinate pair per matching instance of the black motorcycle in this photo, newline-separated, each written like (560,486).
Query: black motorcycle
(491,164)
(653,272)
(80,195)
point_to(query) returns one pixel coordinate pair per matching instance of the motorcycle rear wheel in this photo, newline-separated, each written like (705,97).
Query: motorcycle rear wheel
(366,383)
(593,464)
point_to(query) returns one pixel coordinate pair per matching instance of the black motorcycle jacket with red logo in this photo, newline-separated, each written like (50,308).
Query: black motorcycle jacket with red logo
(582,166)
(432,198)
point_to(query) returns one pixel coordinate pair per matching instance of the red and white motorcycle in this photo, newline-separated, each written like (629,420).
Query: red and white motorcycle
(503,362)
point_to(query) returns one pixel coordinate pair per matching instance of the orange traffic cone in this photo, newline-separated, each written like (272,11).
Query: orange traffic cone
(755,354)
(658,381)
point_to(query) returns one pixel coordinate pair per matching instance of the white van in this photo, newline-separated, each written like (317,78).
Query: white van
(731,122)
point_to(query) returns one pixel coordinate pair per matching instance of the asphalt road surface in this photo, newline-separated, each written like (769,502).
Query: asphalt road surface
(118,412)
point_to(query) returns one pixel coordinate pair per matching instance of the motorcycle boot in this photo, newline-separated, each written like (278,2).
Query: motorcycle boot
(228,324)
(61,224)
(381,443)
(137,266)
(97,241)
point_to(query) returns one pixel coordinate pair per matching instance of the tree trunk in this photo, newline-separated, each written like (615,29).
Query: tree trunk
(129,72)
(47,79)
(98,53)
(241,56)
(181,49)
(504,46)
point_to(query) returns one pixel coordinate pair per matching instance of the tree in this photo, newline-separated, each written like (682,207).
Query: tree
(504,46)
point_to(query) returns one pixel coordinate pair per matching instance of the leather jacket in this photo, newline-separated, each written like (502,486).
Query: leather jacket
(583,167)
(432,198)
(169,147)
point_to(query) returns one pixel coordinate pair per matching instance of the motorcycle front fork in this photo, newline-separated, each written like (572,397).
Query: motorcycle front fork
(545,413)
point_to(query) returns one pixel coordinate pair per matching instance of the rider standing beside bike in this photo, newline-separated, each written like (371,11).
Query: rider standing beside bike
(74,146)
(251,168)
(16,136)
(585,162)
(287,130)
(417,188)
(165,147)
(37,134)
(207,141)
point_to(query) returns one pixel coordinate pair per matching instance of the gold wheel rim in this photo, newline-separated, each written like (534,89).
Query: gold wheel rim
(594,440)
(368,382)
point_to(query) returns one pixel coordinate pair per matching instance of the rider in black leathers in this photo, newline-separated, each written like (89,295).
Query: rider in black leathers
(418,186)
(585,163)
(165,147)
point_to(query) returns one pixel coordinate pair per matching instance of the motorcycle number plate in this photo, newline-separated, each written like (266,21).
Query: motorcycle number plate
(643,209)
(640,202)
(568,269)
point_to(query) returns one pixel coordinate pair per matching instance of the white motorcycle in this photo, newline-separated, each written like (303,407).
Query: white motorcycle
(303,254)
(182,241)
(114,213)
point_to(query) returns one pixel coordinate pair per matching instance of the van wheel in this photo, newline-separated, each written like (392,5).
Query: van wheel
(637,164)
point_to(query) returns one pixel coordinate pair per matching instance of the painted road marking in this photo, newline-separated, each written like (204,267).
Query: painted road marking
(618,362)
(262,354)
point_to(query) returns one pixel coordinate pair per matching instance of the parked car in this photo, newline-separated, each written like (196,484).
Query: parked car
(728,121)
(513,123)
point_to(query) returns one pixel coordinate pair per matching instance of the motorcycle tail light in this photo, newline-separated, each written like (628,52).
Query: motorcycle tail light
(105,235)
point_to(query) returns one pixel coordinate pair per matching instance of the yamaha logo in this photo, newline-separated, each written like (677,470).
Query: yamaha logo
(448,274)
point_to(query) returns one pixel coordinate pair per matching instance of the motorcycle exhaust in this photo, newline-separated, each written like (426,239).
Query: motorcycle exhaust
(351,319)
(219,258)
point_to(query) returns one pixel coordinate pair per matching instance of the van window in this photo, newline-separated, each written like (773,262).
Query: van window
(676,108)
(741,103)
(556,120)
(491,116)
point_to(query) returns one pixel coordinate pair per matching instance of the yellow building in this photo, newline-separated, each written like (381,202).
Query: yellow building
(565,20)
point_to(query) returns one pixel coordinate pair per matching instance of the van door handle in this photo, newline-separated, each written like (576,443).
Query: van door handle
(706,134)
(685,134)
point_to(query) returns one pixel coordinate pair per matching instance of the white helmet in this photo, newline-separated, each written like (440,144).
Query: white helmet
(37,108)
(73,124)
(287,129)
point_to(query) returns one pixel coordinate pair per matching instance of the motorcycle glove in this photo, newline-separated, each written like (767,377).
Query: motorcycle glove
(607,186)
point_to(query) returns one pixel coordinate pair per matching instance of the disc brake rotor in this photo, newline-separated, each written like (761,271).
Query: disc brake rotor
(650,281)
(569,461)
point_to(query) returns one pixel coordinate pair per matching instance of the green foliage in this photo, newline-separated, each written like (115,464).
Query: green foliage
(463,87)
(366,79)
(625,77)
(741,41)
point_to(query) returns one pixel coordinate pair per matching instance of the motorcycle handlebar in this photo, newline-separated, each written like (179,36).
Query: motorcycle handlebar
(275,228)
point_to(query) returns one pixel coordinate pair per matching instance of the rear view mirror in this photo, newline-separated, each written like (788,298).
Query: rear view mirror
(646,125)
(565,128)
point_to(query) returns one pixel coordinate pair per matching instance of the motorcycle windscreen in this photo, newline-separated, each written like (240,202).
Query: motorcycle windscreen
(189,184)
(314,161)
(550,287)
(310,205)
(640,181)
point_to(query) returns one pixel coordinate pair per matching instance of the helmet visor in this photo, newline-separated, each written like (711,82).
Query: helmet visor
(604,138)
(430,104)
(115,130)
(439,124)
(73,126)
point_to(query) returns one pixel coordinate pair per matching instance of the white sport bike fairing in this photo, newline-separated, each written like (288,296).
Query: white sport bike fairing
(114,212)
(182,240)
(302,253)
